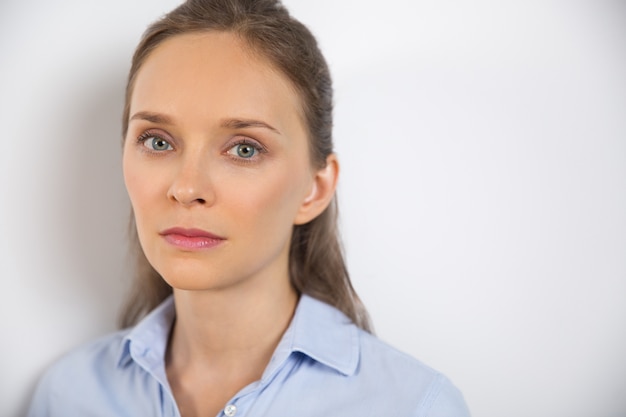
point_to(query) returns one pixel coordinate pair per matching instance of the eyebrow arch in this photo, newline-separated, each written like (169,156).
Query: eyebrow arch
(152,117)
(228,123)
(244,123)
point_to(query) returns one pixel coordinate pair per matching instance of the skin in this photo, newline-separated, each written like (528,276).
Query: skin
(185,166)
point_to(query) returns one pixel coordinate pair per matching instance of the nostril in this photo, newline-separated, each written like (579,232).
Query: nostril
(188,195)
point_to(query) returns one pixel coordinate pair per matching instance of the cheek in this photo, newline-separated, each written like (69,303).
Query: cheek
(131,179)
(273,200)
(139,190)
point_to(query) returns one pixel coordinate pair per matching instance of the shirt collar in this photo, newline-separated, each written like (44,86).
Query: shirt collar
(325,334)
(147,341)
(317,330)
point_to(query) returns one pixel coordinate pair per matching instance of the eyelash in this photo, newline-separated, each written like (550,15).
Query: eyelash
(257,146)
(149,135)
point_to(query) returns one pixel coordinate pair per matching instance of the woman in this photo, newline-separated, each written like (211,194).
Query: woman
(229,167)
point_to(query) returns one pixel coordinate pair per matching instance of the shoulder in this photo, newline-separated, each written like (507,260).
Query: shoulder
(89,358)
(378,357)
(423,389)
(86,369)
(352,366)
(119,375)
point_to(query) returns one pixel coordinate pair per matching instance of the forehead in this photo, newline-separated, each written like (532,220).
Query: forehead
(212,73)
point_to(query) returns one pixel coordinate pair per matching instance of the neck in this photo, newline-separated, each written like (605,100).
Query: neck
(222,341)
(236,328)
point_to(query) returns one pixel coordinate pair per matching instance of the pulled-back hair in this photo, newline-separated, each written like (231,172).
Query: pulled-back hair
(316,263)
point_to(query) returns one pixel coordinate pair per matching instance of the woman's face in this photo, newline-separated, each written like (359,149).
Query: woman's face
(216,163)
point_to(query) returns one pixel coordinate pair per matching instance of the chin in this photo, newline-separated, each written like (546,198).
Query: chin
(194,280)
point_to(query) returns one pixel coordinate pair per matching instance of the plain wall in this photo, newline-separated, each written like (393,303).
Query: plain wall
(483,189)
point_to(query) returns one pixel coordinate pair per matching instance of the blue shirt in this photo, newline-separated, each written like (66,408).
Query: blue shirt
(323,366)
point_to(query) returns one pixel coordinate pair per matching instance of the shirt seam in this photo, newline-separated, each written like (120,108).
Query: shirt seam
(431,396)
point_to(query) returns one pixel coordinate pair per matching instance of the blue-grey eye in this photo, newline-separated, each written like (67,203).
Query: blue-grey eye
(243,150)
(157,144)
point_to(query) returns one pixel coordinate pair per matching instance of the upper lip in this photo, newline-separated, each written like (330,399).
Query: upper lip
(190,233)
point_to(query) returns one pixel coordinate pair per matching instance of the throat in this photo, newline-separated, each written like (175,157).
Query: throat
(213,353)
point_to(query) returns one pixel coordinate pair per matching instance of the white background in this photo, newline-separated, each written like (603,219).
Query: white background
(483,192)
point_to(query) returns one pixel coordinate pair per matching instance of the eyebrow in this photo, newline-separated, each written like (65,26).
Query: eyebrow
(234,123)
(152,117)
(244,123)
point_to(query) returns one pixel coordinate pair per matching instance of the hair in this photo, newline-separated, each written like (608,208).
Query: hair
(316,263)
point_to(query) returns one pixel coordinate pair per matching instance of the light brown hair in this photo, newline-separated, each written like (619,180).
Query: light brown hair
(316,263)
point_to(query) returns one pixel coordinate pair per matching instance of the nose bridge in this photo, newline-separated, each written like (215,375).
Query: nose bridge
(192,182)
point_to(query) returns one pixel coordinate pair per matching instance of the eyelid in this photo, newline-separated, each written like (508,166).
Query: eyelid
(155,133)
(245,140)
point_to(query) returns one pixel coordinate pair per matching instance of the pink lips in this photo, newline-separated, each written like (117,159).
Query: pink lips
(191,239)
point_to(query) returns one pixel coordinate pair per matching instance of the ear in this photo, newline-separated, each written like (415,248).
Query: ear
(322,191)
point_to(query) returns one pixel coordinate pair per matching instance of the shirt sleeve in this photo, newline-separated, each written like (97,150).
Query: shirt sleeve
(40,404)
(447,401)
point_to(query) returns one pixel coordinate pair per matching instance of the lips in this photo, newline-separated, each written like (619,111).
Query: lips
(191,239)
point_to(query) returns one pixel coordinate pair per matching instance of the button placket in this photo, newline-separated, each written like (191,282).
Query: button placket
(230,410)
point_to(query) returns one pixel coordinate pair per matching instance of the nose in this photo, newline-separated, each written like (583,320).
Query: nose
(192,183)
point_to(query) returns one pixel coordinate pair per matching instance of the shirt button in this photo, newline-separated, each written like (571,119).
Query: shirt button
(230,410)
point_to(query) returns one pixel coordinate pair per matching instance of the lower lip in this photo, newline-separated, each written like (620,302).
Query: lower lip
(192,242)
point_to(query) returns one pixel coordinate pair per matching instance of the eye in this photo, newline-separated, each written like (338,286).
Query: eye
(154,142)
(157,144)
(245,150)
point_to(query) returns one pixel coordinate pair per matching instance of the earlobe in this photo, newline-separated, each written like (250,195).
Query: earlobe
(322,191)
